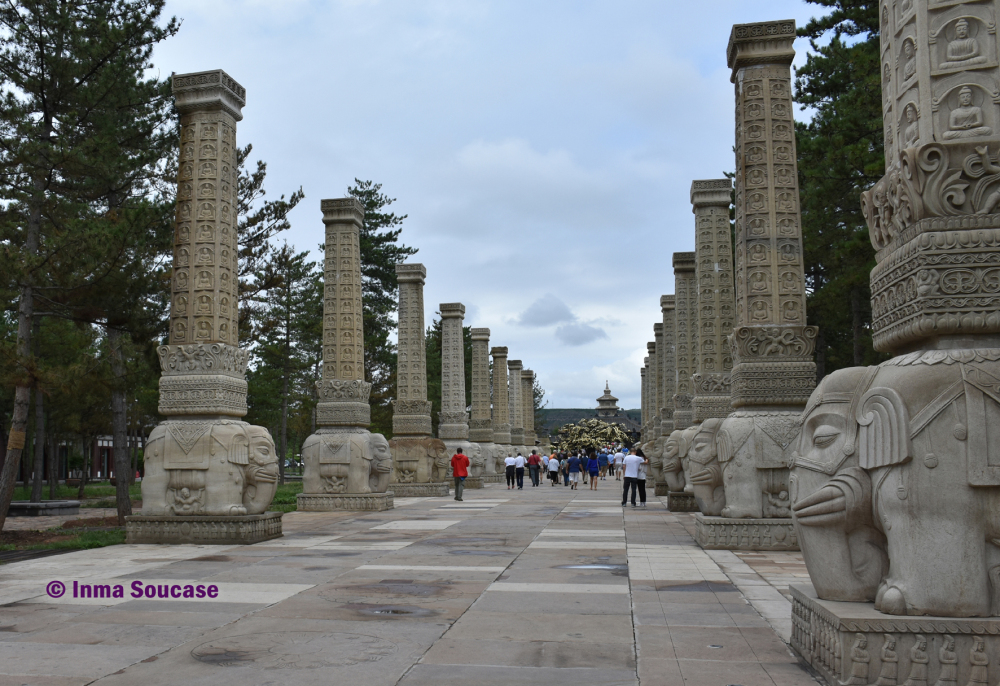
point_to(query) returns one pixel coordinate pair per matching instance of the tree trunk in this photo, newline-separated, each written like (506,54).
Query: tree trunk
(857,327)
(284,416)
(118,427)
(88,452)
(820,355)
(53,462)
(22,392)
(38,469)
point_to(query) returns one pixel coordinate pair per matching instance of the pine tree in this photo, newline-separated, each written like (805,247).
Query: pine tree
(81,129)
(840,154)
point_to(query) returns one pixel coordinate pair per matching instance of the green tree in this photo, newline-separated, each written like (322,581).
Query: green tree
(288,319)
(75,115)
(840,154)
(381,251)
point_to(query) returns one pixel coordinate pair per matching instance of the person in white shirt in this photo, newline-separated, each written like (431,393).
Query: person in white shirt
(519,470)
(509,469)
(553,467)
(619,461)
(634,465)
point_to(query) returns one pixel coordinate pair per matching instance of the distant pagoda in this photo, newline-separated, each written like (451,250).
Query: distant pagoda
(607,404)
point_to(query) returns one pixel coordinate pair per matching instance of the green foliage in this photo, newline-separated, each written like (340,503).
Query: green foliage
(840,154)
(285,499)
(590,433)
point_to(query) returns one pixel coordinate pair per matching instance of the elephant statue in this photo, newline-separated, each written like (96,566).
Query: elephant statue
(706,471)
(755,450)
(342,463)
(221,467)
(414,458)
(675,449)
(895,484)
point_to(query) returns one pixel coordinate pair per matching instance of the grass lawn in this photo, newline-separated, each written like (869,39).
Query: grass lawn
(77,534)
(102,494)
(284,499)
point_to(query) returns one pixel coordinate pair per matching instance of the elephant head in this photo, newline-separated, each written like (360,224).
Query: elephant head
(831,496)
(675,447)
(381,463)
(261,473)
(706,472)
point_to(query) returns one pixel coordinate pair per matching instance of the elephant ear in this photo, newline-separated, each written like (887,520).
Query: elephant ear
(724,444)
(883,433)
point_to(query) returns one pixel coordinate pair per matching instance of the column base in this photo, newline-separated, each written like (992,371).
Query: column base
(473,482)
(427,490)
(726,533)
(679,501)
(368,502)
(493,478)
(661,489)
(203,529)
(827,635)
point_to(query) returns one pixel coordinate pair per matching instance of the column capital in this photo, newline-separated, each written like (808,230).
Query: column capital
(711,193)
(651,347)
(514,365)
(667,302)
(767,42)
(411,272)
(481,334)
(527,374)
(657,328)
(343,211)
(208,90)
(499,351)
(684,261)
(449,310)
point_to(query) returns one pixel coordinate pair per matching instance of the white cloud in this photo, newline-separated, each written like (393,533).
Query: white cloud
(579,333)
(546,311)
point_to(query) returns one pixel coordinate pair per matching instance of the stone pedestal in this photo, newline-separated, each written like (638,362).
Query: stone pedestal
(203,530)
(427,490)
(202,461)
(329,502)
(726,533)
(679,501)
(474,481)
(493,478)
(853,643)
(345,465)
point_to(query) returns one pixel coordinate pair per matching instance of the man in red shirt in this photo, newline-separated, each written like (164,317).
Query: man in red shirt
(460,470)
(534,464)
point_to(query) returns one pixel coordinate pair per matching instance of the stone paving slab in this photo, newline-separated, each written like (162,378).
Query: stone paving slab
(545,586)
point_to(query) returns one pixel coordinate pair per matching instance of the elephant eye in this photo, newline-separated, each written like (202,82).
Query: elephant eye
(824,439)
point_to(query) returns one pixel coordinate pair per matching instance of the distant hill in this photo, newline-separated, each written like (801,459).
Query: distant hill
(553,418)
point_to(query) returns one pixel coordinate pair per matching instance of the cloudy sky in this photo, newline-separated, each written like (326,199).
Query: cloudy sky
(543,150)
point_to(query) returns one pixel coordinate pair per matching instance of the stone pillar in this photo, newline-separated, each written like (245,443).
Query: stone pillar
(686,336)
(481,422)
(917,435)
(203,465)
(656,366)
(516,408)
(711,381)
(501,402)
(644,400)
(528,408)
(668,361)
(653,425)
(411,409)
(346,466)
(419,460)
(773,368)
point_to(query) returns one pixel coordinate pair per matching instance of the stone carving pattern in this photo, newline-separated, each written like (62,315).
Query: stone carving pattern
(686,335)
(501,397)
(411,410)
(528,406)
(343,331)
(668,361)
(480,422)
(453,419)
(514,369)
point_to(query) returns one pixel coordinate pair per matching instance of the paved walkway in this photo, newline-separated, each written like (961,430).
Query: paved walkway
(540,586)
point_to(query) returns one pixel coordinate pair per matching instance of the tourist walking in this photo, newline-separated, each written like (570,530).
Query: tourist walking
(509,470)
(631,465)
(641,479)
(594,469)
(553,468)
(460,470)
(574,468)
(519,471)
(564,467)
(602,461)
(534,465)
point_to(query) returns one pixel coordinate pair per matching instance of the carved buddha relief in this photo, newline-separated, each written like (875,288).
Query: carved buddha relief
(911,126)
(963,50)
(909,59)
(966,117)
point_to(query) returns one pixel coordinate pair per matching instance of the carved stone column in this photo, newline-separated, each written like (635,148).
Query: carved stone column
(653,426)
(411,409)
(686,336)
(205,467)
(644,398)
(920,433)
(346,466)
(481,422)
(419,459)
(528,408)
(501,399)
(773,368)
(668,361)
(716,301)
(656,366)
(516,407)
